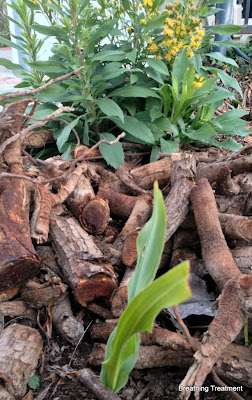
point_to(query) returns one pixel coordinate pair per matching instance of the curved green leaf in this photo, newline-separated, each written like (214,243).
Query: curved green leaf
(150,244)
(170,289)
(112,153)
(134,91)
(110,108)
(136,128)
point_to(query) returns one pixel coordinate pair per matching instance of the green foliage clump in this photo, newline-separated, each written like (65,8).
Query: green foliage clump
(136,76)
(4,24)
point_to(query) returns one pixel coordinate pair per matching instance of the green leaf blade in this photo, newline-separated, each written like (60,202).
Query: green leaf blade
(166,291)
(113,154)
(110,108)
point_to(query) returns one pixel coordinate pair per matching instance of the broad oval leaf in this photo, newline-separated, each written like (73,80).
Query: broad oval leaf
(157,65)
(218,56)
(136,128)
(228,29)
(112,154)
(110,108)
(134,91)
(109,55)
(168,146)
(63,137)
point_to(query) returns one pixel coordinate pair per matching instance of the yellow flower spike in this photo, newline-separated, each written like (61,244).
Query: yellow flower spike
(153,48)
(168,57)
(167,31)
(147,3)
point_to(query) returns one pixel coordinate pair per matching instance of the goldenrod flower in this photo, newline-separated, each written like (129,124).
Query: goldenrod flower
(143,21)
(170,22)
(189,53)
(153,48)
(167,31)
(147,3)
(168,57)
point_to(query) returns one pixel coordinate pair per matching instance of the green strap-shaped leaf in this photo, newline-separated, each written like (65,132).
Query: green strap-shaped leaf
(146,298)
(166,291)
(150,245)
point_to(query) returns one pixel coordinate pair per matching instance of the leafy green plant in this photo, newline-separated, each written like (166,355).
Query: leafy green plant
(145,298)
(4,25)
(128,82)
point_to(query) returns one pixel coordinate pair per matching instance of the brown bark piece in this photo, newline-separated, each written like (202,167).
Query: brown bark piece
(38,294)
(18,260)
(129,254)
(236,205)
(216,254)
(144,176)
(238,163)
(88,378)
(236,226)
(5,395)
(121,205)
(8,294)
(20,348)
(177,202)
(235,302)
(119,298)
(139,216)
(17,308)
(68,327)
(95,216)
(41,214)
(81,260)
(224,183)
(243,257)
(82,193)
(36,139)
(234,363)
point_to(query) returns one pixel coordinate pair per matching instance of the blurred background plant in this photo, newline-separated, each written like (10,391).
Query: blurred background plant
(4,23)
(142,73)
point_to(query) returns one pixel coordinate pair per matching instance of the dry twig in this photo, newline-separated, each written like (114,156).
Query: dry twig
(39,89)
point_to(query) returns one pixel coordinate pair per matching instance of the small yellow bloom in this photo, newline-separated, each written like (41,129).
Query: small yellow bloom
(168,57)
(189,53)
(159,57)
(173,51)
(167,31)
(129,29)
(147,3)
(143,21)
(140,6)
(170,22)
(153,48)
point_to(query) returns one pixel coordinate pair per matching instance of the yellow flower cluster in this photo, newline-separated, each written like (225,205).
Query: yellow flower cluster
(198,82)
(182,29)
